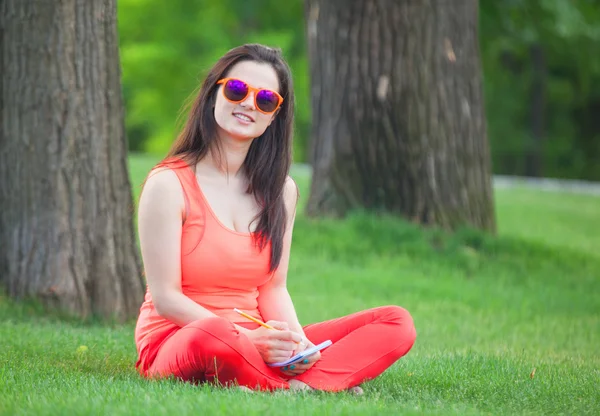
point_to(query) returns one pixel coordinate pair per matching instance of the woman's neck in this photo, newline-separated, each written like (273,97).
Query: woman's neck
(229,157)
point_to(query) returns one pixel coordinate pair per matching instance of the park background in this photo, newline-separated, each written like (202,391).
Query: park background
(508,323)
(541,73)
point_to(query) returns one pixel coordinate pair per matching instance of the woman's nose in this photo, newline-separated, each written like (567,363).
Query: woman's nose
(249,101)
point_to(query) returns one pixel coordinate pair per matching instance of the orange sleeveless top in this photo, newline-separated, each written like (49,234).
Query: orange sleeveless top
(221,269)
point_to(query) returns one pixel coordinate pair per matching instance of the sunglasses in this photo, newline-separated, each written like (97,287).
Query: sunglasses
(236,91)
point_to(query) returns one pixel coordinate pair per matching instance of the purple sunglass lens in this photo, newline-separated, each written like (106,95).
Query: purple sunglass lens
(267,100)
(236,90)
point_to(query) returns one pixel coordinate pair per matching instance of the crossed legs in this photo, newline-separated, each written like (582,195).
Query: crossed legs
(365,344)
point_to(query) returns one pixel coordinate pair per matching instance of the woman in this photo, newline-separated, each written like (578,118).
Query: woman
(215,226)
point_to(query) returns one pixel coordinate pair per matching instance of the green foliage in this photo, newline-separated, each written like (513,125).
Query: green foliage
(568,33)
(167,48)
(488,312)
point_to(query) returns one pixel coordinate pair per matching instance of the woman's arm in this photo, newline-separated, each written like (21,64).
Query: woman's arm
(160,217)
(274,301)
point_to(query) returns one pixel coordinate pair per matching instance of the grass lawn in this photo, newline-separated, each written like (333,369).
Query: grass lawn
(507,325)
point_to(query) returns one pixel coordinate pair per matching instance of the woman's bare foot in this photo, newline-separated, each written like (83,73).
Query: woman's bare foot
(298,385)
(245,389)
(356,390)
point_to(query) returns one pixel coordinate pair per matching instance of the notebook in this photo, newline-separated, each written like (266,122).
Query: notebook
(302,355)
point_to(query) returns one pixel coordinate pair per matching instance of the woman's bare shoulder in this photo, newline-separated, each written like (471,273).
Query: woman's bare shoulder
(291,193)
(162,187)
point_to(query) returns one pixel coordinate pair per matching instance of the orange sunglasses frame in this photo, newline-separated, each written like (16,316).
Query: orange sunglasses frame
(250,89)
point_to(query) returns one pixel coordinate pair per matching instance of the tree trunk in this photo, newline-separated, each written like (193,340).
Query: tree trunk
(66,230)
(398,118)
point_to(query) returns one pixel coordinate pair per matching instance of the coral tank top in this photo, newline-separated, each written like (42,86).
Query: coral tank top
(221,269)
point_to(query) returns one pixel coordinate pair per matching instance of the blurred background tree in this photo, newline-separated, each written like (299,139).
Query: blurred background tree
(542,82)
(541,64)
(398,117)
(66,218)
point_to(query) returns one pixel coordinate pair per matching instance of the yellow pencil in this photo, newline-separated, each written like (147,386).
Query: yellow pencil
(261,323)
(258,321)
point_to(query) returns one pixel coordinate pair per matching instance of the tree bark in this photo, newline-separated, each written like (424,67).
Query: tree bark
(398,118)
(66,229)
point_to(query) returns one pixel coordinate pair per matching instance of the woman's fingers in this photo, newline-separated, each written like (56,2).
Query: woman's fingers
(300,367)
(281,352)
(288,346)
(297,368)
(283,326)
(281,349)
(313,358)
(275,358)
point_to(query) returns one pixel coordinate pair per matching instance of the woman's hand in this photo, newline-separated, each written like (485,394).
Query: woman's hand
(301,366)
(275,346)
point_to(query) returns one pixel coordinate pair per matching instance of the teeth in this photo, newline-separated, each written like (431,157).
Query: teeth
(242,117)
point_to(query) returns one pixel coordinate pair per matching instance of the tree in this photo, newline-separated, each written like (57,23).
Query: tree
(542,83)
(398,117)
(66,228)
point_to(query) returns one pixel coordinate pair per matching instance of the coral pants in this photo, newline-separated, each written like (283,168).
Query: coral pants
(364,345)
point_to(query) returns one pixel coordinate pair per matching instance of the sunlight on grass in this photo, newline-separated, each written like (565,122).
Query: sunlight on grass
(506,325)
(552,218)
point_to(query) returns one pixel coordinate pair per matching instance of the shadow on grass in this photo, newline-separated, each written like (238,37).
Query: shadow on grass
(29,308)
(363,237)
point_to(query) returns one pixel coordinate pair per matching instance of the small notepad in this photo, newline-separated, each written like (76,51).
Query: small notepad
(302,355)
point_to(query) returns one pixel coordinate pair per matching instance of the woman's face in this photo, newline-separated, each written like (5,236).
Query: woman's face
(242,121)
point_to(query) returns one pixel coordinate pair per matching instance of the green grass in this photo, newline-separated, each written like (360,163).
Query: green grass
(488,312)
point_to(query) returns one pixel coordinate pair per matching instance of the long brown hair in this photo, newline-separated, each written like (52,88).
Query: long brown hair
(269,158)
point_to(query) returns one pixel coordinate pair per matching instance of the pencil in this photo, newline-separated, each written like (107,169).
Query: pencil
(261,323)
(258,321)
